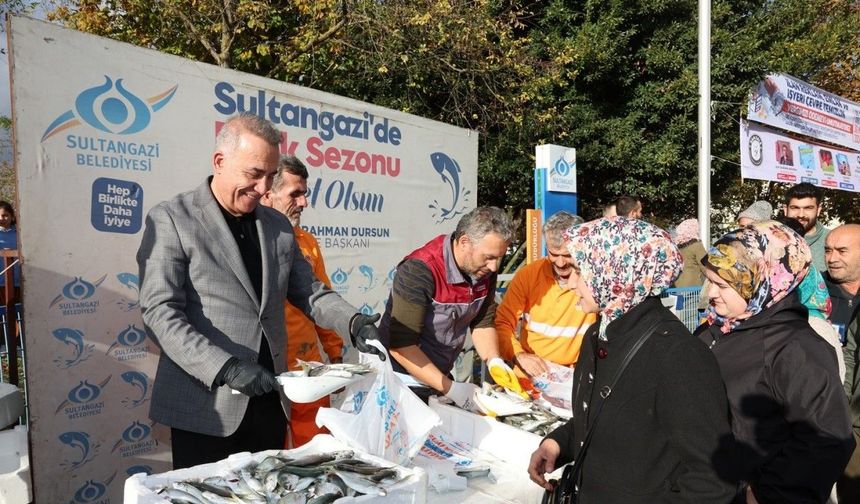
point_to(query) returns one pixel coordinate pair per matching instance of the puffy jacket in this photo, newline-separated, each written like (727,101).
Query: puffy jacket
(789,412)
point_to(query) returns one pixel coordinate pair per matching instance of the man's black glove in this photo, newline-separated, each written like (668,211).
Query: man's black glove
(361,329)
(248,377)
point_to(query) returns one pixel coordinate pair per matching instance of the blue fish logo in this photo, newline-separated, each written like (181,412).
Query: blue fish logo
(140,382)
(110,108)
(77,289)
(84,392)
(91,491)
(80,441)
(450,171)
(73,338)
(128,337)
(131,282)
(137,469)
(367,272)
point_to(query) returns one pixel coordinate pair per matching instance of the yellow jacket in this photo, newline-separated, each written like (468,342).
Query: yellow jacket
(553,325)
(302,334)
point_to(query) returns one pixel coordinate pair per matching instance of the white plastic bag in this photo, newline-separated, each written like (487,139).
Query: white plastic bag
(380,415)
(556,385)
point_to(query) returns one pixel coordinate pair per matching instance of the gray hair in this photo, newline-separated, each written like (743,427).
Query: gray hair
(288,164)
(245,122)
(557,224)
(485,220)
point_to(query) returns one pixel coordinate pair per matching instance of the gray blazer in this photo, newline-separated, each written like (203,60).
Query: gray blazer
(199,305)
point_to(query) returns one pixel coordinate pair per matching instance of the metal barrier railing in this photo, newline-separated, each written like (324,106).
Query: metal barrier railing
(686,305)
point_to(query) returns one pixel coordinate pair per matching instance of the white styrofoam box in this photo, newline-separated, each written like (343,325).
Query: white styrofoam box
(507,443)
(15,484)
(11,404)
(140,488)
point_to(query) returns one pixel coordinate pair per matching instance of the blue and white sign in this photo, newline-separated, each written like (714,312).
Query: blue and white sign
(560,165)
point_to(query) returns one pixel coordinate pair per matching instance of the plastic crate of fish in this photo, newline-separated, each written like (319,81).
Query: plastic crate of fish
(285,476)
(508,443)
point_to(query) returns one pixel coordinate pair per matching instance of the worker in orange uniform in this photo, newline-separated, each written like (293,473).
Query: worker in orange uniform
(543,295)
(289,196)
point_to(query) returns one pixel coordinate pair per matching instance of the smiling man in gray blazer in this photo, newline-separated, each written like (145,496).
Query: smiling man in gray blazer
(215,268)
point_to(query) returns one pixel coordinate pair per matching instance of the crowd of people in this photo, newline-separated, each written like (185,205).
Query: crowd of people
(751,407)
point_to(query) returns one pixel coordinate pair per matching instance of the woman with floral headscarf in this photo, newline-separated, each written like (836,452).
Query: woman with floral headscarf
(660,429)
(789,412)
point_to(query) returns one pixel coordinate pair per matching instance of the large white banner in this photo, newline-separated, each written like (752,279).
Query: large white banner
(767,154)
(104,131)
(791,104)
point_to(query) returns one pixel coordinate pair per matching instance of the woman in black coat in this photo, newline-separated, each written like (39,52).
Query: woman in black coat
(661,434)
(789,411)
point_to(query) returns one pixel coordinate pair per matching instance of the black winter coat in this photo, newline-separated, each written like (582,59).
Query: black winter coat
(660,436)
(789,411)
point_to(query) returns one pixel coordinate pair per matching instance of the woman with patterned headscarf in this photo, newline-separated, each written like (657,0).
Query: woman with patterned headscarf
(659,430)
(789,412)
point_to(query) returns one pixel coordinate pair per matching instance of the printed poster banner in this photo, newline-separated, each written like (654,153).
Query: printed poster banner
(767,154)
(787,103)
(128,128)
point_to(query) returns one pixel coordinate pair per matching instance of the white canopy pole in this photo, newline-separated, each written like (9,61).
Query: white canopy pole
(704,207)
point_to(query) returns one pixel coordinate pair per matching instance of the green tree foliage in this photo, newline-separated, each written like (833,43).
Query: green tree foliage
(617,79)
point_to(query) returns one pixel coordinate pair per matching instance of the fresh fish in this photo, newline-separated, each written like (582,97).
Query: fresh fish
(474,472)
(318,478)
(189,489)
(342,370)
(288,481)
(304,484)
(325,499)
(293,498)
(360,484)
(179,497)
(322,458)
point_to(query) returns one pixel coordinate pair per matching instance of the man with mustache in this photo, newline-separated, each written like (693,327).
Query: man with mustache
(803,202)
(289,195)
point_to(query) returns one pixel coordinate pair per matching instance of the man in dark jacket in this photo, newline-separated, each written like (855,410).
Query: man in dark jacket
(842,253)
(843,281)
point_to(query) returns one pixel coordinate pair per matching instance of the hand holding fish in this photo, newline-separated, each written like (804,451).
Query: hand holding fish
(503,375)
(248,377)
(362,329)
(543,462)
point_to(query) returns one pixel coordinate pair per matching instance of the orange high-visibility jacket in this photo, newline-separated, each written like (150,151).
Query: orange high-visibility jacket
(553,325)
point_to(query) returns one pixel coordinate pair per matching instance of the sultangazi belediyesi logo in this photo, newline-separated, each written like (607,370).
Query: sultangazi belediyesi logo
(111,108)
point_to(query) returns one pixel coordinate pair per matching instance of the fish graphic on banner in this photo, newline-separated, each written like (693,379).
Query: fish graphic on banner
(73,338)
(132,283)
(450,171)
(80,441)
(140,382)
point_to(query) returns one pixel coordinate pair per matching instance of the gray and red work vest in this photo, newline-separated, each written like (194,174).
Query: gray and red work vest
(455,304)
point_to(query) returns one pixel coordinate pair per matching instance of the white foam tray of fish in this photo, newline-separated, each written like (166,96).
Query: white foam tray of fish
(402,486)
(316,380)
